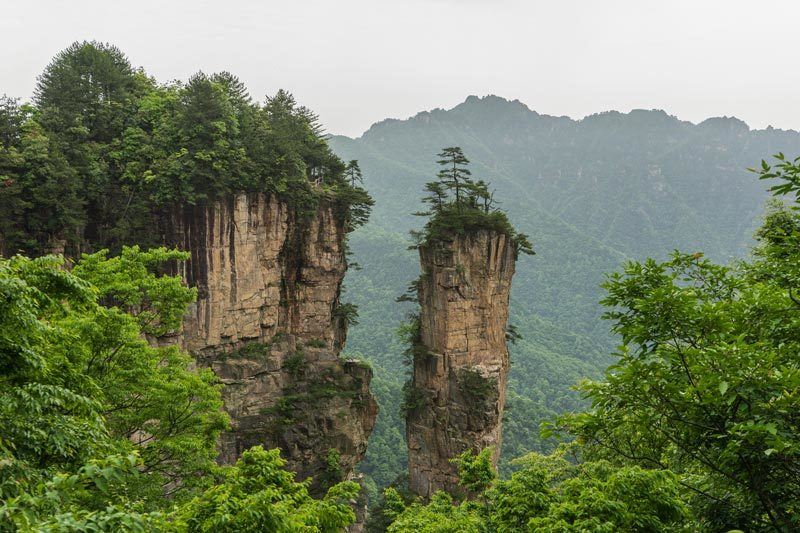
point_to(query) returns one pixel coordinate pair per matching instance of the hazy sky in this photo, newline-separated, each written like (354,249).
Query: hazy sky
(359,61)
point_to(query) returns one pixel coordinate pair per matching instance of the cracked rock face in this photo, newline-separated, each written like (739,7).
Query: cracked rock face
(459,386)
(267,322)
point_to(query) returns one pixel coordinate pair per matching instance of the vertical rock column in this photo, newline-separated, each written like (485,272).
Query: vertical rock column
(460,372)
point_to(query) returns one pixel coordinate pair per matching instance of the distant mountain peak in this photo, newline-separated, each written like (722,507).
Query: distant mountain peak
(491,100)
(725,123)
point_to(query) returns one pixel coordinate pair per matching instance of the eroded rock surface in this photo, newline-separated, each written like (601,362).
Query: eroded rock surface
(459,386)
(268,321)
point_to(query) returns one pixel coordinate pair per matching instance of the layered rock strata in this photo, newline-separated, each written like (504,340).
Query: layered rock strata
(458,388)
(269,322)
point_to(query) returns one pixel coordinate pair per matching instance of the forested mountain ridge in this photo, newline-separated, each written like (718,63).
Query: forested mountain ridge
(590,193)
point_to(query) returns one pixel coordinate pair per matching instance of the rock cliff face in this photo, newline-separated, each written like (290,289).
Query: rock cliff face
(459,378)
(268,321)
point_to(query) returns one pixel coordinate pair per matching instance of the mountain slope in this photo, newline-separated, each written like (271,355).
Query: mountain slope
(590,193)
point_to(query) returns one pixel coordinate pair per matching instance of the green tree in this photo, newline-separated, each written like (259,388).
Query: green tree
(706,380)
(333,468)
(479,196)
(209,140)
(13,203)
(454,174)
(87,91)
(599,497)
(97,426)
(259,495)
(94,498)
(458,205)
(54,211)
(475,471)
(549,493)
(696,390)
(436,198)
(85,100)
(352,173)
(441,515)
(80,382)
(105,154)
(299,141)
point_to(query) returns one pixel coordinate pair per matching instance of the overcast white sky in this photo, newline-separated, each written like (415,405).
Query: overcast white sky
(356,62)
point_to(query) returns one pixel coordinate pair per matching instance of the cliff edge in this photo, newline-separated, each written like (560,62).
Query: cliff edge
(269,322)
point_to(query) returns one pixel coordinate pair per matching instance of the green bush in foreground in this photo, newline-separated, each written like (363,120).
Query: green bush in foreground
(259,495)
(548,493)
(100,431)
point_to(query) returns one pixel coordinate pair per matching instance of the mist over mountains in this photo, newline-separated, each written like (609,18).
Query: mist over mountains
(591,194)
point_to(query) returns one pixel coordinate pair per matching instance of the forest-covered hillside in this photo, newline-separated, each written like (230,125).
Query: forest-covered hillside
(590,194)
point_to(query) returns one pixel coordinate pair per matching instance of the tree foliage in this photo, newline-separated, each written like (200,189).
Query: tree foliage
(100,431)
(457,204)
(706,380)
(259,495)
(548,493)
(104,150)
(80,382)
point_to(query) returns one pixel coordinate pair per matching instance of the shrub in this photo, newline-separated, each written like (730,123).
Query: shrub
(413,399)
(296,365)
(476,388)
(316,343)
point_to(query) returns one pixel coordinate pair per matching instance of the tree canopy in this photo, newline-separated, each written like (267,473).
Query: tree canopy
(104,150)
(80,383)
(546,493)
(706,380)
(100,431)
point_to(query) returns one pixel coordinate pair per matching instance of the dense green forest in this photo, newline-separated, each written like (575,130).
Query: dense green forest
(99,431)
(590,194)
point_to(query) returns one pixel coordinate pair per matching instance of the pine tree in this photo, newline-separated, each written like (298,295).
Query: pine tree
(479,196)
(13,202)
(87,90)
(436,198)
(454,173)
(352,173)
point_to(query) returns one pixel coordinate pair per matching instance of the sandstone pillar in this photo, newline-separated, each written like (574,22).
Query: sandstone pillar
(268,321)
(459,376)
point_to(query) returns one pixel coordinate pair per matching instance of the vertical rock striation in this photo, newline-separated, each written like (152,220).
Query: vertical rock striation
(460,372)
(268,321)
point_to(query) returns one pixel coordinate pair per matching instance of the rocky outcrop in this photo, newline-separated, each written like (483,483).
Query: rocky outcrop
(268,321)
(457,394)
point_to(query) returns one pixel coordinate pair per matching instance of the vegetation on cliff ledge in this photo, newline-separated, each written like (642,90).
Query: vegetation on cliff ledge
(459,205)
